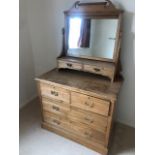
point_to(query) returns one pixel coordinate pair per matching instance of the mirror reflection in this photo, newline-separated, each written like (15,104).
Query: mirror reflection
(92,37)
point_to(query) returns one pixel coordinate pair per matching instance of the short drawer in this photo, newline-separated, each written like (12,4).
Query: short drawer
(89,103)
(55,107)
(71,65)
(98,70)
(56,120)
(86,132)
(95,121)
(55,92)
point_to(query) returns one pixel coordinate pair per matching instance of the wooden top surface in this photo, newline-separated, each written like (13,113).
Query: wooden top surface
(82,81)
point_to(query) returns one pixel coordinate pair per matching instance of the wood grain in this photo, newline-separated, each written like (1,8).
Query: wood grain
(99,70)
(83,110)
(86,65)
(93,120)
(105,10)
(86,83)
(56,120)
(54,92)
(89,103)
(80,105)
(55,107)
(97,147)
(70,65)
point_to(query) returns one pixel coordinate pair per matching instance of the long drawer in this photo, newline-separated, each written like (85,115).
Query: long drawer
(76,128)
(86,132)
(55,107)
(89,103)
(93,120)
(55,92)
(68,134)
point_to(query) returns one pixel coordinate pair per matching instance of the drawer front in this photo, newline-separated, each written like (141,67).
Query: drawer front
(88,133)
(56,120)
(71,65)
(68,134)
(76,128)
(95,121)
(89,103)
(98,70)
(54,92)
(55,107)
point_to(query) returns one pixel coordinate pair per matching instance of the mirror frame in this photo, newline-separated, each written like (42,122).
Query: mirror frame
(99,10)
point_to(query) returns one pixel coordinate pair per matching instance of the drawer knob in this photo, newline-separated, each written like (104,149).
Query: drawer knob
(89,120)
(91,105)
(55,108)
(69,65)
(88,134)
(56,122)
(54,93)
(97,69)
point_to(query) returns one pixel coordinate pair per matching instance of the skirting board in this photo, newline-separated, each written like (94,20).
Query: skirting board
(22,105)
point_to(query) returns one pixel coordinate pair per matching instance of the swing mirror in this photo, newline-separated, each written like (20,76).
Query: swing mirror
(88,37)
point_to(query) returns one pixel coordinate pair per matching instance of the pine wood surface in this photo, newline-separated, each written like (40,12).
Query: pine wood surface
(95,85)
(78,106)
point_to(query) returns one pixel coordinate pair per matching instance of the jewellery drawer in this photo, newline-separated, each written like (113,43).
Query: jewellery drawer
(55,92)
(86,132)
(89,103)
(97,70)
(55,107)
(95,121)
(71,65)
(56,120)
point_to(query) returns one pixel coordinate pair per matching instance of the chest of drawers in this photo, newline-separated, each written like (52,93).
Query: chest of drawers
(78,106)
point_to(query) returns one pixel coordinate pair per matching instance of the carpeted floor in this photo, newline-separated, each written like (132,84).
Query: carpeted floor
(36,141)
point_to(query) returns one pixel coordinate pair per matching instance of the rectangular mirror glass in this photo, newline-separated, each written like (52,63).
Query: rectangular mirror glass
(92,37)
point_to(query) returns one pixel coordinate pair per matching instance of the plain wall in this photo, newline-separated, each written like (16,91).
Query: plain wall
(45,20)
(26,63)
(125,111)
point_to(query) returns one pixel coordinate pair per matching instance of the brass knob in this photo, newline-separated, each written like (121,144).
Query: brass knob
(91,105)
(97,69)
(54,93)
(56,121)
(89,120)
(69,65)
(55,108)
(88,134)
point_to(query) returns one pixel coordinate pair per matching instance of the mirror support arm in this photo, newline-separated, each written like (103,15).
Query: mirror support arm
(63,44)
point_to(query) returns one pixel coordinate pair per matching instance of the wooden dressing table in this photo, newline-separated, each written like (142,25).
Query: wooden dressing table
(78,101)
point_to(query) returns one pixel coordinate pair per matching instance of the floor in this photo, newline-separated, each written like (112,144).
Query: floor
(37,141)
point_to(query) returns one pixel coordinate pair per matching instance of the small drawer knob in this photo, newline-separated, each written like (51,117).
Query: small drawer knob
(69,65)
(88,134)
(97,69)
(54,93)
(89,104)
(89,120)
(56,122)
(55,108)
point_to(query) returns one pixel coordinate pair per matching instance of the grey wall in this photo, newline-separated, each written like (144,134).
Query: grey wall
(126,103)
(40,44)
(26,63)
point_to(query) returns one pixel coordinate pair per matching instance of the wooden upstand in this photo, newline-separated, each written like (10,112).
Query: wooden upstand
(79,106)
